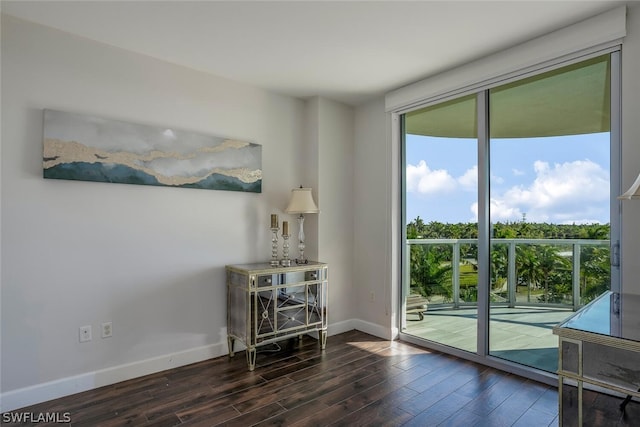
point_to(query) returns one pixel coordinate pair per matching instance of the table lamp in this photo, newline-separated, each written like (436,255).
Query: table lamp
(301,203)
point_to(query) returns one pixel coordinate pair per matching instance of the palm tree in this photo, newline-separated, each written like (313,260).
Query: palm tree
(527,267)
(499,262)
(595,272)
(551,265)
(430,272)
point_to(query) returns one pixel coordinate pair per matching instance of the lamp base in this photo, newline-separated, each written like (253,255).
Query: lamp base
(302,261)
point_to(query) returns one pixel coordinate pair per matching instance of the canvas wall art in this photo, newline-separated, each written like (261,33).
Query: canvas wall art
(88,148)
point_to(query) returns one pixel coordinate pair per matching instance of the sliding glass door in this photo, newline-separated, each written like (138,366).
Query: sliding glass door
(549,206)
(507,207)
(441,233)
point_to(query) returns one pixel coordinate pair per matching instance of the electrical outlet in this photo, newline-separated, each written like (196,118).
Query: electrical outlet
(107,329)
(85,333)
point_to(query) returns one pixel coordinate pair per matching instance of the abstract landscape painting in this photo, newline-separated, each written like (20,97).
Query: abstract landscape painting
(87,148)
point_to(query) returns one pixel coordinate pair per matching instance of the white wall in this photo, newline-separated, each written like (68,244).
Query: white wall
(149,259)
(335,200)
(309,163)
(373,179)
(327,167)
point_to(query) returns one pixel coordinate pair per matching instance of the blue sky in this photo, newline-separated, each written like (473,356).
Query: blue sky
(560,180)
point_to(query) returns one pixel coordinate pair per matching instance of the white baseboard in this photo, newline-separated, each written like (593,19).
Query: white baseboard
(361,325)
(373,329)
(341,327)
(38,393)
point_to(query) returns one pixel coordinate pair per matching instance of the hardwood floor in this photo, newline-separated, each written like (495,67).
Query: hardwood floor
(359,380)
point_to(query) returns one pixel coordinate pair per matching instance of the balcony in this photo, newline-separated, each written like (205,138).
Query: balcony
(535,284)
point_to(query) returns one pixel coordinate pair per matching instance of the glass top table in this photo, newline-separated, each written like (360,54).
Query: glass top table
(611,314)
(599,362)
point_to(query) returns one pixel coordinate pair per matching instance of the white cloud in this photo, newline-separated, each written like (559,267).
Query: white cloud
(517,172)
(422,179)
(469,180)
(570,192)
(564,192)
(500,211)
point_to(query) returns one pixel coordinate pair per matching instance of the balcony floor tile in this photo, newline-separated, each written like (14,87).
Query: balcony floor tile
(520,334)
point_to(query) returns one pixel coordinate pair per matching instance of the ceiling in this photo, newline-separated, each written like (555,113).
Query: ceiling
(349,51)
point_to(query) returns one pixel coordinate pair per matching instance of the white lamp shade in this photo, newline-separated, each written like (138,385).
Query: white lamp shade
(633,192)
(301,202)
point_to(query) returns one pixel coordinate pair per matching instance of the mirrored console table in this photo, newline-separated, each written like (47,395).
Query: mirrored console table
(599,363)
(266,304)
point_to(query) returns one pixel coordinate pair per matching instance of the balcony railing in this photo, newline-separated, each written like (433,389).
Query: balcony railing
(509,294)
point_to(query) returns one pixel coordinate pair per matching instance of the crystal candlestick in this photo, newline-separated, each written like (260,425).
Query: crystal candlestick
(286,262)
(274,247)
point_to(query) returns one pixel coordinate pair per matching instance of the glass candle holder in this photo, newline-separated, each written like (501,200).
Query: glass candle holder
(274,247)
(286,262)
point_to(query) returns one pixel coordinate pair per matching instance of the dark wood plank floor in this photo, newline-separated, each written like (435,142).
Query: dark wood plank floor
(359,380)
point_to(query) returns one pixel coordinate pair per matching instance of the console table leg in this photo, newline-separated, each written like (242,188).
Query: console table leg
(230,342)
(251,358)
(323,339)
(626,401)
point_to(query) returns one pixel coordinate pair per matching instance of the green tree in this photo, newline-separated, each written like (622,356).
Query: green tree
(499,264)
(554,272)
(430,272)
(527,268)
(536,267)
(595,272)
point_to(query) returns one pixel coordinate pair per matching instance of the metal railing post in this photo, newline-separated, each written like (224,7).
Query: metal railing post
(406,285)
(511,274)
(575,274)
(456,274)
